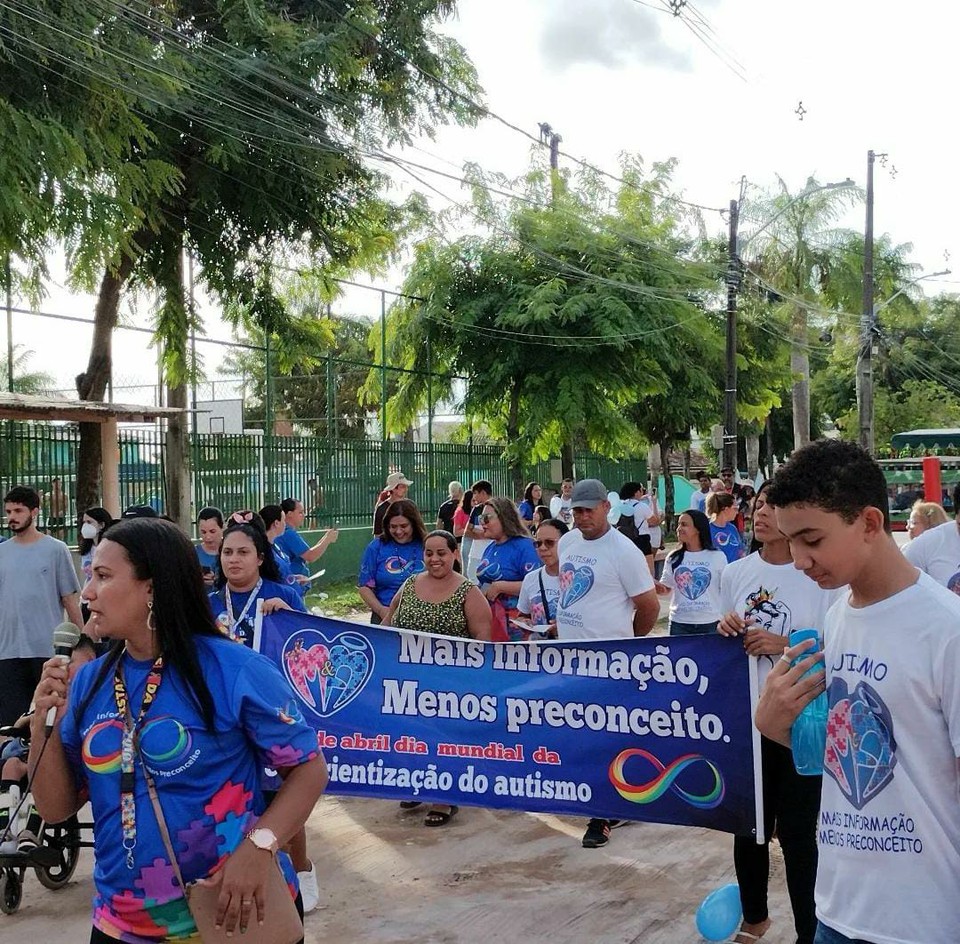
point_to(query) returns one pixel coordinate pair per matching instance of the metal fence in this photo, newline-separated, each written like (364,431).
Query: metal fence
(337,482)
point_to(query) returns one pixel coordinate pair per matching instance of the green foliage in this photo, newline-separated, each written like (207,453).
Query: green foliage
(919,404)
(564,314)
(240,130)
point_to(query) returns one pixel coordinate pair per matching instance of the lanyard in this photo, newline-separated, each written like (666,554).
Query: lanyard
(232,623)
(128,814)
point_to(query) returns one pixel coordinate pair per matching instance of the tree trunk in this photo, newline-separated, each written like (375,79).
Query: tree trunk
(669,496)
(752,441)
(566,459)
(92,383)
(513,437)
(800,369)
(177,504)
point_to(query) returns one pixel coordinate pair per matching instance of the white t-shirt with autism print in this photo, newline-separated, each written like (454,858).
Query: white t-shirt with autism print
(695,582)
(776,597)
(889,828)
(598,578)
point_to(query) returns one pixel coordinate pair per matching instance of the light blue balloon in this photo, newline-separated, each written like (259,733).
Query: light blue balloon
(616,509)
(720,914)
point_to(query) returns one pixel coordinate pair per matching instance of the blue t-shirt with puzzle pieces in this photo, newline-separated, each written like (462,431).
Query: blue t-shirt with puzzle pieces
(208,782)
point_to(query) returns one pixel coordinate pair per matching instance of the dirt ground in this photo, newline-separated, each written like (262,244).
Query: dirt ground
(488,877)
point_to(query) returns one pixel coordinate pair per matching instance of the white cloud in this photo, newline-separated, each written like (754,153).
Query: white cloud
(610,33)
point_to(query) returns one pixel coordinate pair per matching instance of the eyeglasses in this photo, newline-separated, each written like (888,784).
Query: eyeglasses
(546,542)
(490,517)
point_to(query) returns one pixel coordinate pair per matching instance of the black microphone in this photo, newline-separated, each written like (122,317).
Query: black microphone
(65,639)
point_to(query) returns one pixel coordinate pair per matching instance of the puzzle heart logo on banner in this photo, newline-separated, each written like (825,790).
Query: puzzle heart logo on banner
(692,582)
(861,751)
(327,673)
(575,583)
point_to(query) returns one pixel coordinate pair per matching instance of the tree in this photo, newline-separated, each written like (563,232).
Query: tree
(559,312)
(919,404)
(300,387)
(240,132)
(29,381)
(798,244)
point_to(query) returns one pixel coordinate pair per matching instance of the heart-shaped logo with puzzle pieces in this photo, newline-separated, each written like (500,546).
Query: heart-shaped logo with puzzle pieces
(692,582)
(575,583)
(327,674)
(861,751)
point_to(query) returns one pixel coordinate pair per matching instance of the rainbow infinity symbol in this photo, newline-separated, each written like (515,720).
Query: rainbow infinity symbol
(666,779)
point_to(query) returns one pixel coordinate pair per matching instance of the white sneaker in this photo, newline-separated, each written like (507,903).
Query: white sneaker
(309,889)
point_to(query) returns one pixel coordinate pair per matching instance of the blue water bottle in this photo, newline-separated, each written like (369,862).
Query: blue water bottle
(808,736)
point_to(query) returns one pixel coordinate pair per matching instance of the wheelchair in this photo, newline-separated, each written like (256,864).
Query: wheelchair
(54,859)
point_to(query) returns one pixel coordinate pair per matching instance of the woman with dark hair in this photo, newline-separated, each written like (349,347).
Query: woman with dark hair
(275,523)
(391,557)
(176,701)
(531,498)
(692,573)
(540,589)
(92,523)
(508,558)
(540,514)
(210,529)
(248,573)
(765,598)
(441,601)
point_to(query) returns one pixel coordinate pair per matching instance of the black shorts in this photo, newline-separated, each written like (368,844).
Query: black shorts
(643,542)
(18,682)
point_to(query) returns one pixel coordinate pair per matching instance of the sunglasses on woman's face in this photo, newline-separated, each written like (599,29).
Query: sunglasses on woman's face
(490,517)
(546,542)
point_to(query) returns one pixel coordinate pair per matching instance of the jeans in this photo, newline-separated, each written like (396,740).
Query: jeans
(791,803)
(827,935)
(676,628)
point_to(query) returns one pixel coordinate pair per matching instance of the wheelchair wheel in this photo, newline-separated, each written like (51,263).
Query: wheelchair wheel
(65,838)
(11,891)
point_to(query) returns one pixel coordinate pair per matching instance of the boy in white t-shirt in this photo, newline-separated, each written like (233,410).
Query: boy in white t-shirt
(937,551)
(889,828)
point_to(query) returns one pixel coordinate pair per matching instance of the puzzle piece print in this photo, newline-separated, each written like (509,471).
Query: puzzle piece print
(158,883)
(230,798)
(232,831)
(197,847)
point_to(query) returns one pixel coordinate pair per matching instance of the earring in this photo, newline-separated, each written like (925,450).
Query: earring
(151,617)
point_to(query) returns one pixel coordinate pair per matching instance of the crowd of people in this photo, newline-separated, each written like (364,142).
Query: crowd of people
(811,548)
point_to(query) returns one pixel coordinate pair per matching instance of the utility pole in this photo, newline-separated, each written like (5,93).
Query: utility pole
(867,325)
(551,139)
(730,391)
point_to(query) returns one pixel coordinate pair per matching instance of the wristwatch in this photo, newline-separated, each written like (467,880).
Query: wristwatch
(265,839)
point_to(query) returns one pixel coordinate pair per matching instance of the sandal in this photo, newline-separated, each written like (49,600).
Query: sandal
(410,804)
(439,817)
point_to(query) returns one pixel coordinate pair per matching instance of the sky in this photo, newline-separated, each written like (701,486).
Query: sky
(717,87)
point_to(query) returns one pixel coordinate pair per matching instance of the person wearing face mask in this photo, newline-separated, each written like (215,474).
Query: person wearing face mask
(92,523)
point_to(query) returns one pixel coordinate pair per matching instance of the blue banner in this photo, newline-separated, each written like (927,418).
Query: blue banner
(656,729)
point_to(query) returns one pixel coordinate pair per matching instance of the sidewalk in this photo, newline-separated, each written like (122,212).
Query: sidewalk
(490,877)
